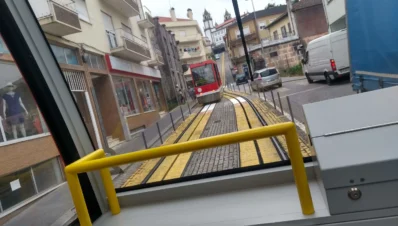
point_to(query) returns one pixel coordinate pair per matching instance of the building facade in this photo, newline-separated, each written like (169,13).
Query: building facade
(335,14)
(310,19)
(191,45)
(253,36)
(220,31)
(208,25)
(171,71)
(104,51)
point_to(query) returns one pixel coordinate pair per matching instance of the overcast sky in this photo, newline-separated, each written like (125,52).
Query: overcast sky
(215,7)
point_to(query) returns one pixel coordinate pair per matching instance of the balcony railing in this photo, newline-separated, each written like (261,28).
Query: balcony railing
(189,38)
(128,45)
(128,8)
(274,40)
(57,17)
(248,37)
(147,21)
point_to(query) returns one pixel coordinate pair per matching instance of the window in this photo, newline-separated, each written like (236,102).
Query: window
(289,28)
(262,25)
(283,30)
(203,75)
(64,55)
(273,54)
(276,36)
(109,30)
(95,61)
(3,47)
(126,95)
(246,31)
(237,33)
(81,9)
(269,72)
(144,90)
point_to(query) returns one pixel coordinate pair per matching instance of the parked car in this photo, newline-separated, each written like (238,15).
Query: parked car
(241,79)
(217,56)
(266,78)
(326,58)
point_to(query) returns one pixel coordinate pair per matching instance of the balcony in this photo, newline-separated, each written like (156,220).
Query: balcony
(248,37)
(128,8)
(158,59)
(57,17)
(125,45)
(147,21)
(189,38)
(274,40)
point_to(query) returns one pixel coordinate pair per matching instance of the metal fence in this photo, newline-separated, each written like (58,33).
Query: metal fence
(158,132)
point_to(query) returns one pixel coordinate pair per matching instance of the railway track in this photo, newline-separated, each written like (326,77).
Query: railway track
(250,155)
(276,143)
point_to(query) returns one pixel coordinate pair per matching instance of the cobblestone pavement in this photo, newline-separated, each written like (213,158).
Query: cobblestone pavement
(223,120)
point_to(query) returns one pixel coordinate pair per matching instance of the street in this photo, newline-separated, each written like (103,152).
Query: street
(297,88)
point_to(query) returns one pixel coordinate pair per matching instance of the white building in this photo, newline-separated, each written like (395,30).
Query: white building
(220,31)
(208,25)
(335,14)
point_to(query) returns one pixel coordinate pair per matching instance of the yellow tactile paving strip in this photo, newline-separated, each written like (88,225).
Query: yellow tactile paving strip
(248,153)
(266,147)
(181,162)
(139,175)
(271,118)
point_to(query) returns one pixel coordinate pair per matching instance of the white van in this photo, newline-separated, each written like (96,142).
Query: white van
(326,58)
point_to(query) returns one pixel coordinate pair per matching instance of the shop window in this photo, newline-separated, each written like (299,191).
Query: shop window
(15,188)
(47,174)
(24,184)
(145,95)
(65,55)
(95,61)
(126,95)
(19,113)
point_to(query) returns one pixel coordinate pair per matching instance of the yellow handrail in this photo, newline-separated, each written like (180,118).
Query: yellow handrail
(98,161)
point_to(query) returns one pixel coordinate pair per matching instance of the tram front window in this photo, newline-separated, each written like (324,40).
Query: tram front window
(203,75)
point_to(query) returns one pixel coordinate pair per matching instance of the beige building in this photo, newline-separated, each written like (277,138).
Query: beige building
(253,34)
(191,43)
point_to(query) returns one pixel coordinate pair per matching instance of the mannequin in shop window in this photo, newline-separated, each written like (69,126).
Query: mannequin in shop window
(13,110)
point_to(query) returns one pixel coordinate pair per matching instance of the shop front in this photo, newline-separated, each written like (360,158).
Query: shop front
(138,92)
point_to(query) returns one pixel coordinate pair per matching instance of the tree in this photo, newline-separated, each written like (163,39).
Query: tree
(270,5)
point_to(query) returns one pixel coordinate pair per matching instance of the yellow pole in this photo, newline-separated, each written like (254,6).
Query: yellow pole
(300,176)
(78,199)
(235,137)
(110,189)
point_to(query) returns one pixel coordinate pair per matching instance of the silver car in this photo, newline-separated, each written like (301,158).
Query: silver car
(266,78)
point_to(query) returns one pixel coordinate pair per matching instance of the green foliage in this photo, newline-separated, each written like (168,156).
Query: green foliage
(211,56)
(292,71)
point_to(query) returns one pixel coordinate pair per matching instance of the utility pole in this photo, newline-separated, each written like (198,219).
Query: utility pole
(258,33)
(291,16)
(242,36)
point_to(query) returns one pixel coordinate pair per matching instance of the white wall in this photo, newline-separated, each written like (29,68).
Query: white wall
(218,36)
(335,9)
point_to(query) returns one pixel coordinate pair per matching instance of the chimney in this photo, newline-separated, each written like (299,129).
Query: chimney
(173,15)
(189,14)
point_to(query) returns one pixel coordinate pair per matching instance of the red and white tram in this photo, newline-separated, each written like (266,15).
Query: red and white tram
(206,81)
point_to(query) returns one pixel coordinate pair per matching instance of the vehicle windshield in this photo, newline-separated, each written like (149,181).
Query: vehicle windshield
(240,76)
(268,72)
(203,75)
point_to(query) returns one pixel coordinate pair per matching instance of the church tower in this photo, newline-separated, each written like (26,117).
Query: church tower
(208,25)
(227,15)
